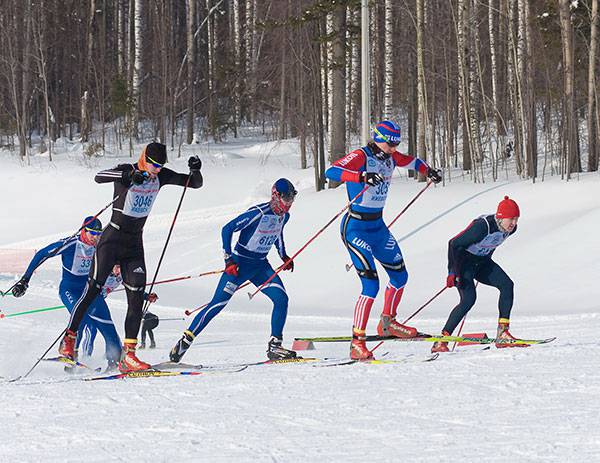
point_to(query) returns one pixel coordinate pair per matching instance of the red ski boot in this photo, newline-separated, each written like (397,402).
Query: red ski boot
(67,345)
(358,347)
(388,326)
(503,336)
(359,351)
(129,361)
(440,346)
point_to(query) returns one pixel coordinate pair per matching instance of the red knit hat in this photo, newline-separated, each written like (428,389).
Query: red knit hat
(507,209)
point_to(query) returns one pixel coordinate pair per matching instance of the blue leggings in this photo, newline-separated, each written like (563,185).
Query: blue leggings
(489,273)
(96,319)
(370,240)
(257,272)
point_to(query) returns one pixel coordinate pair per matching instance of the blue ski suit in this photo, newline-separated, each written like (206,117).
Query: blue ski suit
(260,228)
(76,261)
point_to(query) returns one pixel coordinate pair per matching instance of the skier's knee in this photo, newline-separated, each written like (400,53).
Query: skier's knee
(370,287)
(399,279)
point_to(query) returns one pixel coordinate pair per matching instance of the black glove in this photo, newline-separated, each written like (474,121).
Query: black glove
(289,266)
(434,174)
(371,178)
(194,163)
(138,177)
(20,287)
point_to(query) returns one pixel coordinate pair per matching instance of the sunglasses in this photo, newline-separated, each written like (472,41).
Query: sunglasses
(387,139)
(153,163)
(93,232)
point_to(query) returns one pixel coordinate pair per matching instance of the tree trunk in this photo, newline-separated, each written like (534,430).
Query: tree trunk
(570,136)
(191,60)
(388,83)
(592,108)
(338,90)
(137,65)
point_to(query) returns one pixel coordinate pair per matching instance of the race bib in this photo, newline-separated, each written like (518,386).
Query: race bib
(266,234)
(375,196)
(140,198)
(82,259)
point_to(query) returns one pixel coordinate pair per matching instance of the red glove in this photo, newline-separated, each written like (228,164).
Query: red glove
(289,266)
(151,298)
(231,267)
(452,280)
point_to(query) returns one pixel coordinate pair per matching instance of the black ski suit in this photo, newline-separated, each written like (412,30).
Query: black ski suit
(121,242)
(470,258)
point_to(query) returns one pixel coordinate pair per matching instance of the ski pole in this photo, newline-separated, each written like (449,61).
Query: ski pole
(462,324)
(189,312)
(251,295)
(170,319)
(171,280)
(425,305)
(27,312)
(429,182)
(459,331)
(162,255)
(67,239)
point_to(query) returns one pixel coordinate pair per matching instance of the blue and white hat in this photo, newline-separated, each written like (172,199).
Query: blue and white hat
(387,132)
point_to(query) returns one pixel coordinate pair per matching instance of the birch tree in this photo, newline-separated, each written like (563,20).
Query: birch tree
(191,60)
(592,94)
(388,81)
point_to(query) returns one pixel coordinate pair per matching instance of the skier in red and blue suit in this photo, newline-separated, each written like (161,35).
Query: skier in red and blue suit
(365,234)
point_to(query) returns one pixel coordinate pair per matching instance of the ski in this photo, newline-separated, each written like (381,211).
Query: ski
(152,373)
(175,366)
(407,359)
(71,363)
(429,338)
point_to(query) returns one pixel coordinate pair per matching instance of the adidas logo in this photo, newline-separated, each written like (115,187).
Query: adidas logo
(139,270)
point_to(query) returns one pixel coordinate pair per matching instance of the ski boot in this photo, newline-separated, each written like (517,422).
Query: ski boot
(112,366)
(503,336)
(129,361)
(71,369)
(67,345)
(182,346)
(142,345)
(275,351)
(152,345)
(388,326)
(440,346)
(358,347)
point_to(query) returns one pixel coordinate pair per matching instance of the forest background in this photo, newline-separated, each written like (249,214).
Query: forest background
(489,87)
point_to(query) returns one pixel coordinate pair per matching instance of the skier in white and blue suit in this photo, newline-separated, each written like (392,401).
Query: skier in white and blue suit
(76,254)
(260,228)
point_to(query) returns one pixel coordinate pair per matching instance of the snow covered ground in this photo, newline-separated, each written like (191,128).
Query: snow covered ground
(536,404)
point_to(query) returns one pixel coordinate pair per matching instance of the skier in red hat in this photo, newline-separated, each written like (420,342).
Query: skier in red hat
(470,258)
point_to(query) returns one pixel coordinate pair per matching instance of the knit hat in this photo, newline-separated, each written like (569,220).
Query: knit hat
(507,209)
(387,132)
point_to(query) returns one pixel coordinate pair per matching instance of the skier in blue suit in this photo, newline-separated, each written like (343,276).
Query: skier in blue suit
(76,254)
(260,228)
